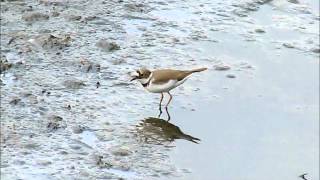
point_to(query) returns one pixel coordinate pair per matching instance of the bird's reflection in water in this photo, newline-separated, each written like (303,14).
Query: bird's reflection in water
(159,131)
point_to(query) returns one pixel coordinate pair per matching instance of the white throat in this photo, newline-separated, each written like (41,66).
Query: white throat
(145,80)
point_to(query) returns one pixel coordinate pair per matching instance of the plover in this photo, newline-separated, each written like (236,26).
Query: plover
(163,80)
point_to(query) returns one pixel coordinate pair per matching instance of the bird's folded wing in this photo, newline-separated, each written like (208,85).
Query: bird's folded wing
(163,76)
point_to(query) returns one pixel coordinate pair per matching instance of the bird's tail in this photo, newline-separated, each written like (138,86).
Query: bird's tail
(198,70)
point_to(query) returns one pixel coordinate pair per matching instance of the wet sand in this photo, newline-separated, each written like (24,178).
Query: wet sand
(66,95)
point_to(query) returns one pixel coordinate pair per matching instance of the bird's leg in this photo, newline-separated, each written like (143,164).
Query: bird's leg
(160,100)
(160,105)
(168,105)
(169,99)
(168,114)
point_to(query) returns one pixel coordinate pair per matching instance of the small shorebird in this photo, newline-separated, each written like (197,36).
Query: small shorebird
(162,81)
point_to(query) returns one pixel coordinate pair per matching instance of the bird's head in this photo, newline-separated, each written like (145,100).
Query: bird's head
(141,75)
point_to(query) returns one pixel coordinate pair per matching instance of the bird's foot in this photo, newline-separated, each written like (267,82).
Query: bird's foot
(160,112)
(168,113)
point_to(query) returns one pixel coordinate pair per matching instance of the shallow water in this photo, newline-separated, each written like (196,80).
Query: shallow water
(258,128)
(262,124)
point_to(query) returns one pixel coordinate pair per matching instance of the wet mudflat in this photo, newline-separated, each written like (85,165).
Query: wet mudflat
(69,110)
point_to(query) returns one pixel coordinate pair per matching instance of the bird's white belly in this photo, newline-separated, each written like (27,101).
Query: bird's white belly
(165,87)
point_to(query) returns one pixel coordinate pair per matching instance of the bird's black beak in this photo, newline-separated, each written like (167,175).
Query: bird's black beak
(134,78)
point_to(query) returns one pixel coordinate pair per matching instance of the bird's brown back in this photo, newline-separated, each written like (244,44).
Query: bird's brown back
(164,75)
